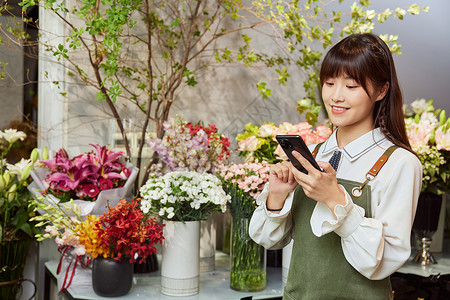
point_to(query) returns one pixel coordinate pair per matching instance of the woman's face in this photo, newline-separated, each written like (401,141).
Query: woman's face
(348,105)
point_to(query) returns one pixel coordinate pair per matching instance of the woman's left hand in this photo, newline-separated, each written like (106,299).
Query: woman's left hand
(317,185)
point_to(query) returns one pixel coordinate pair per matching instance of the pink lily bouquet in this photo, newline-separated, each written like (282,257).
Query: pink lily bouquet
(428,132)
(94,180)
(258,143)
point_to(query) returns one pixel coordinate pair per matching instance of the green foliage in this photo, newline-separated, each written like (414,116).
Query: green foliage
(143,51)
(304,26)
(15,212)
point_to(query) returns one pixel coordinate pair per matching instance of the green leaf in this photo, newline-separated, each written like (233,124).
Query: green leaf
(283,75)
(442,118)
(414,9)
(263,90)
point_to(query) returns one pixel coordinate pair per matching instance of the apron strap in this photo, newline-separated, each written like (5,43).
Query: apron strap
(314,153)
(373,172)
(381,161)
(376,167)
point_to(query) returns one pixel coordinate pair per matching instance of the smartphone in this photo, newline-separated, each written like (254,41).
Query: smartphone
(290,143)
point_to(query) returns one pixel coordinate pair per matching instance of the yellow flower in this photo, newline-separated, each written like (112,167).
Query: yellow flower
(89,237)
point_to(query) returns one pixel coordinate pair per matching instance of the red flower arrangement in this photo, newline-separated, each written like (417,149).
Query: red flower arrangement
(124,232)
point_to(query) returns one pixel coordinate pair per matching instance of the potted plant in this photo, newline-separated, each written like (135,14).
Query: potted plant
(428,131)
(182,199)
(16,227)
(114,240)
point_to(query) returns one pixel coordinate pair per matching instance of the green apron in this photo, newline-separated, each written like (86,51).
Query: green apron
(318,268)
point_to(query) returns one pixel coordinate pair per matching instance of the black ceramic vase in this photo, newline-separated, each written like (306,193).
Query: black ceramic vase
(111,278)
(149,265)
(275,258)
(425,225)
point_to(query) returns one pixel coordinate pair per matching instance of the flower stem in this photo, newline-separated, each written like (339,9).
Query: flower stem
(247,259)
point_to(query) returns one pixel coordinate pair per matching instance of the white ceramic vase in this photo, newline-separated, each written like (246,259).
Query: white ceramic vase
(207,244)
(286,261)
(180,267)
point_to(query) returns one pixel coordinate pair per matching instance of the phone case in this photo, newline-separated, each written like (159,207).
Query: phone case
(290,143)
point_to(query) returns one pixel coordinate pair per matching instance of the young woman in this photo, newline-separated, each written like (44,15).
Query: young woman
(351,226)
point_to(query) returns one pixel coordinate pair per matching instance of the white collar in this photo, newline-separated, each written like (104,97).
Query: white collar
(357,147)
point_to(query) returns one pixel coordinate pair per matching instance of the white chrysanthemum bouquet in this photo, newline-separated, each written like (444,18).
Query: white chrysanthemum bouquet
(183,196)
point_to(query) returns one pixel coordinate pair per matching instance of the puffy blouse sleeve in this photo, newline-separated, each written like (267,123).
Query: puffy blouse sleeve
(272,231)
(380,245)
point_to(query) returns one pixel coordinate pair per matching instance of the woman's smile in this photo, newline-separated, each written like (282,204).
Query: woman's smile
(338,109)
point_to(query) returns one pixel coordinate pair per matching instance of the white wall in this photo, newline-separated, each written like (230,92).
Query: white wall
(11,90)
(424,66)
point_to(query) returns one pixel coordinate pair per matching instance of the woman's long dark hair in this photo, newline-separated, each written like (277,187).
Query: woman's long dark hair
(367,59)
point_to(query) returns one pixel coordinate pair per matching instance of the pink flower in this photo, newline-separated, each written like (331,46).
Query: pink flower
(279,153)
(302,127)
(310,138)
(442,139)
(80,250)
(323,131)
(266,130)
(105,184)
(249,144)
(51,230)
(420,133)
(91,190)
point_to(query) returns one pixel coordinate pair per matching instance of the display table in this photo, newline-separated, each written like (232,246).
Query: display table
(216,284)
(213,285)
(442,267)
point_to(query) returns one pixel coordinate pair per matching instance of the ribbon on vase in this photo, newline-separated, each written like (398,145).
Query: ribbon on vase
(78,261)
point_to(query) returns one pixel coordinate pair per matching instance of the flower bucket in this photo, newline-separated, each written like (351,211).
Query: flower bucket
(13,255)
(248,259)
(180,267)
(207,244)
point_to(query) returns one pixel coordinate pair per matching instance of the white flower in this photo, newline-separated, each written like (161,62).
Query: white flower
(419,106)
(13,135)
(170,212)
(162,211)
(168,194)
(19,167)
(443,139)
(430,117)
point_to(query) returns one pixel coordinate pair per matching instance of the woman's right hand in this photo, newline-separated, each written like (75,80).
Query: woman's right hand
(281,183)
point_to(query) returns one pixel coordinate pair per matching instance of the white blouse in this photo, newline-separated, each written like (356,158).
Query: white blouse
(376,246)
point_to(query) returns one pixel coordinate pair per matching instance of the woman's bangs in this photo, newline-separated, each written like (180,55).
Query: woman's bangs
(339,64)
